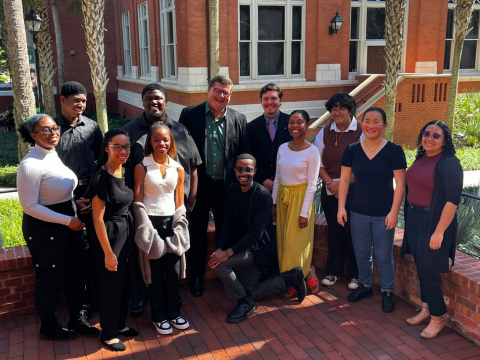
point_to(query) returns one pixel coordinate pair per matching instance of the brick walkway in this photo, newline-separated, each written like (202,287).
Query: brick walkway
(324,326)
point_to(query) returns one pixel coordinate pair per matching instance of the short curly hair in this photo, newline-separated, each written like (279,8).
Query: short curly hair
(448,148)
(342,99)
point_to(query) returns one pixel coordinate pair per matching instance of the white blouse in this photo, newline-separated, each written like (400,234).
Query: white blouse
(298,167)
(159,192)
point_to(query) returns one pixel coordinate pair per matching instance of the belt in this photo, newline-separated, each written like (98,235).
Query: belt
(214,181)
(83,182)
(421,208)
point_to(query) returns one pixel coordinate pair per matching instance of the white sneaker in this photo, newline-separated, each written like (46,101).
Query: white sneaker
(163,327)
(353,284)
(179,323)
(329,280)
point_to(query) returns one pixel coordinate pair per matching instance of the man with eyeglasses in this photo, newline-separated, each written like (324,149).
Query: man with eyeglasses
(244,244)
(220,135)
(80,146)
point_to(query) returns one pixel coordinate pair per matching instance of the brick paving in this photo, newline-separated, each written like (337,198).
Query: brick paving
(324,326)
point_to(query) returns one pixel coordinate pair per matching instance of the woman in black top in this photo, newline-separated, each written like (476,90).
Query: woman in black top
(375,162)
(435,182)
(112,197)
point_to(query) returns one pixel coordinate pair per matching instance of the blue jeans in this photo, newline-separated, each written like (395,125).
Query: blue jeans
(368,232)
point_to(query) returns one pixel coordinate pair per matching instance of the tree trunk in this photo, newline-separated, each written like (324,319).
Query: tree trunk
(45,52)
(3,24)
(214,39)
(462,15)
(59,43)
(93,11)
(22,85)
(394,16)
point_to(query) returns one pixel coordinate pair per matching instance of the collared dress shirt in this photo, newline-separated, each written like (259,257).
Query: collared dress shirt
(215,143)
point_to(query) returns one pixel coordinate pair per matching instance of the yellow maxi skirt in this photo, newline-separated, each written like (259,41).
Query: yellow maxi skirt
(295,245)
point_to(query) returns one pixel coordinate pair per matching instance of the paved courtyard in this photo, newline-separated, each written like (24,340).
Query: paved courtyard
(324,326)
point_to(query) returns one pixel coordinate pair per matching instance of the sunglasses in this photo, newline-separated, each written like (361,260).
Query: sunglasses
(435,136)
(247,170)
(118,147)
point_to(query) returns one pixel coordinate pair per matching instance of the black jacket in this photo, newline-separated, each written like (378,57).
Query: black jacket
(263,149)
(260,237)
(447,187)
(236,142)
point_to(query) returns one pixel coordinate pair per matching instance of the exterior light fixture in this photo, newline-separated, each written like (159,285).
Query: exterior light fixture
(33,22)
(335,24)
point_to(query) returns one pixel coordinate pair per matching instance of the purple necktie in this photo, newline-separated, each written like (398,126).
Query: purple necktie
(271,129)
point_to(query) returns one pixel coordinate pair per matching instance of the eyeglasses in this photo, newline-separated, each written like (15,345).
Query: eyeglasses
(247,170)
(218,91)
(48,131)
(435,136)
(118,147)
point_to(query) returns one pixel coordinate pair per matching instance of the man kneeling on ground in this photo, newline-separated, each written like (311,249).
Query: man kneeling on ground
(247,229)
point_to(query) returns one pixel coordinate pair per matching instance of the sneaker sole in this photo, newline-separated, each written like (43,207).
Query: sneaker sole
(328,283)
(353,287)
(180,327)
(163,332)
(44,337)
(233,321)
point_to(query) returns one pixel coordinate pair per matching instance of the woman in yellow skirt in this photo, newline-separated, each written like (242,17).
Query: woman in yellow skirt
(298,165)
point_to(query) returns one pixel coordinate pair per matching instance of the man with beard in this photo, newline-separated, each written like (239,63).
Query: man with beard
(154,98)
(244,242)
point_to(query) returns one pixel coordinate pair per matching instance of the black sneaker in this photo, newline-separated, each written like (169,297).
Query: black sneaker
(83,327)
(244,309)
(52,330)
(360,293)
(388,301)
(294,278)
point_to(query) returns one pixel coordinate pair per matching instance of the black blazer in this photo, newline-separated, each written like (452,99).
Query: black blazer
(263,149)
(236,142)
(447,187)
(260,237)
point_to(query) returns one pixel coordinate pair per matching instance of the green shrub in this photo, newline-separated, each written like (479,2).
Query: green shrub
(469,157)
(467,119)
(11,223)
(8,150)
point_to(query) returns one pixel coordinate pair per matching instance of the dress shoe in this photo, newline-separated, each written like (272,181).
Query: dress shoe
(244,308)
(436,325)
(52,330)
(294,278)
(196,286)
(116,346)
(360,293)
(388,301)
(82,326)
(137,310)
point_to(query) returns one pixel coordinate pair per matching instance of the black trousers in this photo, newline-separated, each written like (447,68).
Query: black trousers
(340,247)
(58,256)
(210,194)
(418,240)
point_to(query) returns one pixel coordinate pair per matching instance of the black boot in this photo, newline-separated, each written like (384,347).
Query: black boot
(52,330)
(244,308)
(388,301)
(360,293)
(80,324)
(296,279)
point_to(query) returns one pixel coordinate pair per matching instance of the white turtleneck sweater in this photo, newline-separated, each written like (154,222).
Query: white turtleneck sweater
(42,179)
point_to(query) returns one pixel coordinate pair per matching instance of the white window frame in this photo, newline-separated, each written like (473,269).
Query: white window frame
(127,52)
(363,43)
(476,7)
(145,63)
(287,61)
(168,6)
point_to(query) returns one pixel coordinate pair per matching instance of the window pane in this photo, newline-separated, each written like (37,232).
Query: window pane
(352,65)
(244,59)
(171,59)
(473,34)
(449,34)
(170,27)
(244,22)
(375,23)
(270,58)
(446,56)
(127,38)
(468,54)
(354,23)
(271,23)
(145,34)
(296,47)
(297,23)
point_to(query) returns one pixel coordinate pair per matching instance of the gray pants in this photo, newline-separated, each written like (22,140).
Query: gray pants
(248,279)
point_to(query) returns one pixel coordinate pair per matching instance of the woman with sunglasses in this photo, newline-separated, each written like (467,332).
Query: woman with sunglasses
(51,230)
(298,164)
(434,187)
(112,195)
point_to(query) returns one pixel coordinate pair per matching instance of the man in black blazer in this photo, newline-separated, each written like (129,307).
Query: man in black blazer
(266,133)
(220,135)
(244,242)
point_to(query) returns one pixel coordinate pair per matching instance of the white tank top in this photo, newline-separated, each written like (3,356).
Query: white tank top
(159,192)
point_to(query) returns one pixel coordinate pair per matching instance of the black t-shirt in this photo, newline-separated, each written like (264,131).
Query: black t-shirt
(373,194)
(243,203)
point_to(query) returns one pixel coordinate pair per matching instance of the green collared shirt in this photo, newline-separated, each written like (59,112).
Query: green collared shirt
(215,132)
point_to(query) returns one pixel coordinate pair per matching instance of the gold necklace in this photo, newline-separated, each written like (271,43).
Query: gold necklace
(336,140)
(381,140)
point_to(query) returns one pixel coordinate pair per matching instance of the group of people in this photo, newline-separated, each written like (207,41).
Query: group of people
(144,194)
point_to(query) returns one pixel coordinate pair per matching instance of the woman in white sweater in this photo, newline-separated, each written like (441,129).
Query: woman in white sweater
(51,230)
(298,164)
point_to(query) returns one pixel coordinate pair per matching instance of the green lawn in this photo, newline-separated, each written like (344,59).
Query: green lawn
(10,223)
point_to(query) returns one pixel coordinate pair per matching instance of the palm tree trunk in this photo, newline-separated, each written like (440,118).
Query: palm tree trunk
(59,43)
(214,38)
(93,20)
(394,16)
(22,85)
(462,14)
(3,24)
(45,52)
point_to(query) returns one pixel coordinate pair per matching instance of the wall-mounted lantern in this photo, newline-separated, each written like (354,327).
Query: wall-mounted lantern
(335,24)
